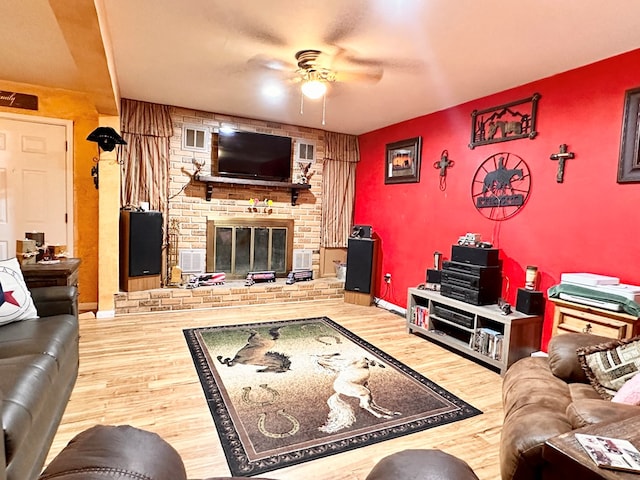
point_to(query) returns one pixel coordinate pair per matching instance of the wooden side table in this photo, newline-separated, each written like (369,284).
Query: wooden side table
(567,458)
(574,317)
(50,275)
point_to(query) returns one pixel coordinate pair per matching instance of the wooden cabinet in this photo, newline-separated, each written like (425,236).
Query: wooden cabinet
(574,317)
(481,332)
(62,273)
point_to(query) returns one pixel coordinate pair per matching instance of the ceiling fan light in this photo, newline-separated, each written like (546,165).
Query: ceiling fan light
(314,89)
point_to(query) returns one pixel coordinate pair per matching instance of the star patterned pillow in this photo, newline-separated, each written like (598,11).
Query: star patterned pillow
(15,299)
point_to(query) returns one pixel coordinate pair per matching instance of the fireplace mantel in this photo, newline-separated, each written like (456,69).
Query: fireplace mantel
(210,180)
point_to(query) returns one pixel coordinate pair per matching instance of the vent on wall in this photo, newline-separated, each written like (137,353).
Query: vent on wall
(196,138)
(302,259)
(193,260)
(305,151)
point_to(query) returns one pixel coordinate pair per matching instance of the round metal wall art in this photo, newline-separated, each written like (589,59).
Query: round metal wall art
(501,186)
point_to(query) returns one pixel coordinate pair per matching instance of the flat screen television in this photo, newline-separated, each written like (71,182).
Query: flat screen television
(254,155)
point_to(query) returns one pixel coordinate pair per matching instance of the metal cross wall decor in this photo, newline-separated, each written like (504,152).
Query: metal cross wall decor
(442,165)
(561,157)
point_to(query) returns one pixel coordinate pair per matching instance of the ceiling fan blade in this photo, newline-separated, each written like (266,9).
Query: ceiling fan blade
(371,76)
(240,21)
(271,63)
(348,21)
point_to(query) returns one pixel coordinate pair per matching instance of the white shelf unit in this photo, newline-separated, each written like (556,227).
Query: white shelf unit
(521,334)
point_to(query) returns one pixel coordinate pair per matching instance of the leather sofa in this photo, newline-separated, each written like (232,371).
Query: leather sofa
(546,397)
(124,452)
(38,369)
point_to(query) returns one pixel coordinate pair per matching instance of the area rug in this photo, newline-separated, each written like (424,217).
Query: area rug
(286,392)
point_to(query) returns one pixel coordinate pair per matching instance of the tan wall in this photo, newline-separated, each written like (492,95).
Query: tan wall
(192,210)
(75,106)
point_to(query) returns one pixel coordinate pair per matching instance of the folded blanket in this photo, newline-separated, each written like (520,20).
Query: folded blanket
(629,306)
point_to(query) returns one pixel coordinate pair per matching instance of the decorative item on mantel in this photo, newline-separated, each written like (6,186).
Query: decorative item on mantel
(305,176)
(255,203)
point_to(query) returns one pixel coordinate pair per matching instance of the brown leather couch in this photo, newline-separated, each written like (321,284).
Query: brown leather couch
(38,369)
(545,397)
(126,453)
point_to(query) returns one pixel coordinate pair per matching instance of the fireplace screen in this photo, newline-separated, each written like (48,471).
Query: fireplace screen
(236,247)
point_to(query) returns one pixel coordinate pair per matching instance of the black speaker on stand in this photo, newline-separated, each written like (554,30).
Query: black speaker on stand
(140,250)
(361,264)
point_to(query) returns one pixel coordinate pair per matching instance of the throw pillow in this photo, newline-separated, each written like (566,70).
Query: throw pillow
(15,299)
(629,393)
(609,365)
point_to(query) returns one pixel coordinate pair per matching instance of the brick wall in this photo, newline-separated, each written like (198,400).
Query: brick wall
(232,294)
(189,207)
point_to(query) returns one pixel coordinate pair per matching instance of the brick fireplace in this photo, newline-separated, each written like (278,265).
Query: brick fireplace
(193,214)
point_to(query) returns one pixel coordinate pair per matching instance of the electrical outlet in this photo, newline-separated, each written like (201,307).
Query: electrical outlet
(387,278)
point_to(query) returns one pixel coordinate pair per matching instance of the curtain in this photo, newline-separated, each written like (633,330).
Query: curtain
(338,188)
(147,129)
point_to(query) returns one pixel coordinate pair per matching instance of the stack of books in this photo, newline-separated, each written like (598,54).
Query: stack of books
(420,316)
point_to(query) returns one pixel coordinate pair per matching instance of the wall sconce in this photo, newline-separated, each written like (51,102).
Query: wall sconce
(107,139)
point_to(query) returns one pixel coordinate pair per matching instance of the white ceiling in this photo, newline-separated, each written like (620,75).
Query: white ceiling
(214,55)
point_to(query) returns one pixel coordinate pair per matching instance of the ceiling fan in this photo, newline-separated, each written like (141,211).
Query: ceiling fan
(315,70)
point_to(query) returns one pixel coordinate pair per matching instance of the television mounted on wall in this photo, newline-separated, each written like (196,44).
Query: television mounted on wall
(254,155)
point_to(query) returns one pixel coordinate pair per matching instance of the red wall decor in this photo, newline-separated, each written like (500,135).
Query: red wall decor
(588,223)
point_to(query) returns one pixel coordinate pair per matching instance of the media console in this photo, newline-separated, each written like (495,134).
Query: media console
(481,332)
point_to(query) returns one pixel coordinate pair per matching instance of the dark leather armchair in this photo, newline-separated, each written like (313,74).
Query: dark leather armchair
(128,453)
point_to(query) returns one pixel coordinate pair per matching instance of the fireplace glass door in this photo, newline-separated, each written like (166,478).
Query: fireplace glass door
(242,249)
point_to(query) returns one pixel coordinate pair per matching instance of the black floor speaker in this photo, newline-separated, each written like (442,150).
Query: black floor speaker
(140,250)
(530,302)
(361,260)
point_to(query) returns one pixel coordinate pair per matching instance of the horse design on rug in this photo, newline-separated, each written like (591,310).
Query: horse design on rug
(352,380)
(258,352)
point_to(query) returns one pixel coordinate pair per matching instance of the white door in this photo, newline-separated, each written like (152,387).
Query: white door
(33,182)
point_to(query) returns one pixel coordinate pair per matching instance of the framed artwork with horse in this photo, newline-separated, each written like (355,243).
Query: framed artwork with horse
(505,122)
(402,162)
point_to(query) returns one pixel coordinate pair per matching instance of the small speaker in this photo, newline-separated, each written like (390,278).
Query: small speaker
(434,276)
(361,259)
(530,302)
(484,257)
(361,231)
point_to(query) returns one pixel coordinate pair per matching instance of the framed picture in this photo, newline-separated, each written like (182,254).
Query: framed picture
(402,163)
(629,163)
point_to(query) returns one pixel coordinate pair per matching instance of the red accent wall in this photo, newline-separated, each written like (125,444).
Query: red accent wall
(589,223)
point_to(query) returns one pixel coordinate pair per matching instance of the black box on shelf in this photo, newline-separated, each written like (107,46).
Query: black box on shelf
(469,295)
(530,302)
(434,276)
(486,257)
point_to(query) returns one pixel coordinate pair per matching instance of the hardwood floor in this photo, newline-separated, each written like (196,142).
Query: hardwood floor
(137,370)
